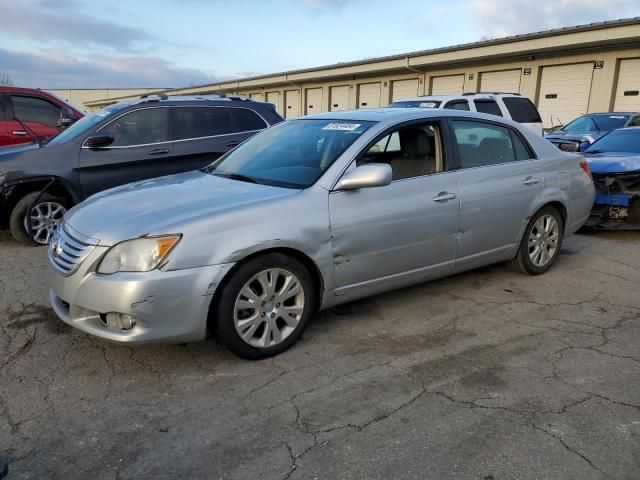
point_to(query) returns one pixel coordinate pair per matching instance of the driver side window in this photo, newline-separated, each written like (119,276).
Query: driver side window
(140,127)
(412,151)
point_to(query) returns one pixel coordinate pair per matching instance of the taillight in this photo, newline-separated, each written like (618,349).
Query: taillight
(585,166)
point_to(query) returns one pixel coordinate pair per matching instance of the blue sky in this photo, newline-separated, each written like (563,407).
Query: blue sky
(170,43)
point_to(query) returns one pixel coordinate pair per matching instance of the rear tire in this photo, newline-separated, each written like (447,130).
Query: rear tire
(541,242)
(56,206)
(265,306)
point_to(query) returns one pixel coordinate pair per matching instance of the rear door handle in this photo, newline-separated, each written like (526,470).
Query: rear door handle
(444,197)
(235,143)
(531,181)
(158,151)
(19,133)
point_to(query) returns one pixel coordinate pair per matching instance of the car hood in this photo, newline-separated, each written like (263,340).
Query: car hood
(613,162)
(18,148)
(575,137)
(163,205)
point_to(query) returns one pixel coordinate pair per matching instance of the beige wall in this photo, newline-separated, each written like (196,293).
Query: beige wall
(79,96)
(609,44)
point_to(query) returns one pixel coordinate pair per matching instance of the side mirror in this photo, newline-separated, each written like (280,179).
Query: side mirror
(64,122)
(99,141)
(366,176)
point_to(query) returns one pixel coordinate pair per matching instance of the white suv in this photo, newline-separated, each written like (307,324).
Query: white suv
(509,105)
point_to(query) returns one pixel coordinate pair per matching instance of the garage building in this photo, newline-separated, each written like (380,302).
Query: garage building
(566,72)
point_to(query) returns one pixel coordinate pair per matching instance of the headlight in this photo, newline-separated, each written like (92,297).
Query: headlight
(138,255)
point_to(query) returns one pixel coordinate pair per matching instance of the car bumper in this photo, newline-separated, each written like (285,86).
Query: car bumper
(166,306)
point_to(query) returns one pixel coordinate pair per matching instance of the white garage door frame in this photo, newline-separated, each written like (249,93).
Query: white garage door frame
(448,84)
(406,88)
(369,95)
(501,81)
(339,98)
(626,97)
(313,101)
(291,103)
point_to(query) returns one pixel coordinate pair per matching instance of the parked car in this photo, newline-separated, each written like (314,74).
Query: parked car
(29,115)
(508,105)
(580,133)
(312,213)
(615,162)
(121,143)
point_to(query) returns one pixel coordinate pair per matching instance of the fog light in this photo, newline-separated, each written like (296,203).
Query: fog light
(118,321)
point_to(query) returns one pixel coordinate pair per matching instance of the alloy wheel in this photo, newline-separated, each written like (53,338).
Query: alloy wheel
(269,307)
(44,218)
(543,240)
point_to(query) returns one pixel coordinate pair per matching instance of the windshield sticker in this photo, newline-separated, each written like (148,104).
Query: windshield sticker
(103,113)
(348,127)
(427,105)
(617,116)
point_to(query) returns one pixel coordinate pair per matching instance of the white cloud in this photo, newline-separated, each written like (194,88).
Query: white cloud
(497,18)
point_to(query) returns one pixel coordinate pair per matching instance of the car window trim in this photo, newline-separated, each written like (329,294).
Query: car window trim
(454,143)
(446,149)
(266,124)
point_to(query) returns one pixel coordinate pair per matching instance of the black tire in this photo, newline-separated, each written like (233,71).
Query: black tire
(19,212)
(223,312)
(522,262)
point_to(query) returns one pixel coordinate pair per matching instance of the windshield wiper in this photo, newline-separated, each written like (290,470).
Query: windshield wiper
(237,176)
(37,138)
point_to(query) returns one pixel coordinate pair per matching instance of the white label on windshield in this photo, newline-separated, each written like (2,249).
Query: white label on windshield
(427,105)
(349,127)
(616,116)
(103,113)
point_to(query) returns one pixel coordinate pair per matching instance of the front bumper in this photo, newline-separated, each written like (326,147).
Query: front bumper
(167,306)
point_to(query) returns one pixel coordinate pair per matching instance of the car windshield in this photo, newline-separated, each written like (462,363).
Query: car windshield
(621,141)
(595,123)
(81,126)
(416,104)
(292,154)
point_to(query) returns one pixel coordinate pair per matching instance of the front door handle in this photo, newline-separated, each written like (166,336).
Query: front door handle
(19,133)
(444,197)
(234,143)
(531,181)
(158,151)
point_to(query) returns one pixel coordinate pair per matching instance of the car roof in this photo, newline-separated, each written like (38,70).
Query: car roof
(609,113)
(231,100)
(444,98)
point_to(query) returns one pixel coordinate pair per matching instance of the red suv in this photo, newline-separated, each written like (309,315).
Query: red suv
(31,115)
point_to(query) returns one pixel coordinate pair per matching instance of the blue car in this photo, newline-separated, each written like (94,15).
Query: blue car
(580,133)
(615,165)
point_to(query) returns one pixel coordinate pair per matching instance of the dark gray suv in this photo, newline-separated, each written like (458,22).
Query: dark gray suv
(121,143)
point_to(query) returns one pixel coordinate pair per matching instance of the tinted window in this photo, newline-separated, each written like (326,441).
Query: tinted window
(245,120)
(635,122)
(626,141)
(458,105)
(596,123)
(482,144)
(522,110)
(35,110)
(488,106)
(81,126)
(140,127)
(291,154)
(197,122)
(389,143)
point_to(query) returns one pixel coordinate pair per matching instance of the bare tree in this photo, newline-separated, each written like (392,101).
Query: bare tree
(5,80)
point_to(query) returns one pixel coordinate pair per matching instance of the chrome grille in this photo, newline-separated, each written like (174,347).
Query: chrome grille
(567,146)
(67,250)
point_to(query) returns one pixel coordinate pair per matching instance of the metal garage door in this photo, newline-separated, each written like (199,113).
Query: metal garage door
(292,103)
(404,89)
(447,85)
(369,95)
(628,91)
(505,81)
(314,100)
(274,97)
(259,97)
(564,92)
(339,98)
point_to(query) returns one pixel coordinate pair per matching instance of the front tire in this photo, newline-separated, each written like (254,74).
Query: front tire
(44,218)
(265,306)
(541,242)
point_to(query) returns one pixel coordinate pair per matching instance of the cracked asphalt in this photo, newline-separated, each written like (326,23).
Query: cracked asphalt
(487,375)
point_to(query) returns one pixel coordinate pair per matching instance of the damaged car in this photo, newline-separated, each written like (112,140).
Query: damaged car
(615,164)
(312,213)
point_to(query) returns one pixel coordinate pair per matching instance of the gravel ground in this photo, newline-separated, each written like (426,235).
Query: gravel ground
(486,375)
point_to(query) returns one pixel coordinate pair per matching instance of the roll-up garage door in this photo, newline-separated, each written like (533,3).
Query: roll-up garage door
(369,95)
(505,81)
(292,104)
(628,90)
(564,92)
(404,89)
(314,100)
(339,98)
(259,97)
(447,85)
(274,97)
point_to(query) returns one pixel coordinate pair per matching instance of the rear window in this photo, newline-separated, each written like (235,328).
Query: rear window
(522,110)
(488,106)
(416,104)
(246,120)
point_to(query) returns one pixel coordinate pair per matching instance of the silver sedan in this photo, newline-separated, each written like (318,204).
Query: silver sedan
(309,214)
